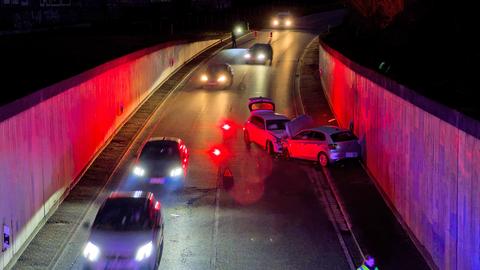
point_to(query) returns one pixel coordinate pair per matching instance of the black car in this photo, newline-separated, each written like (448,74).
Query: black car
(127,232)
(217,75)
(259,53)
(162,160)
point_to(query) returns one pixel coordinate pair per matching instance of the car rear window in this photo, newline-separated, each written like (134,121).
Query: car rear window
(123,214)
(160,150)
(343,136)
(276,124)
(262,106)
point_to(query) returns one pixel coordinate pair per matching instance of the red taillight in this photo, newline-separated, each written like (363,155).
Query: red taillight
(332,146)
(157,205)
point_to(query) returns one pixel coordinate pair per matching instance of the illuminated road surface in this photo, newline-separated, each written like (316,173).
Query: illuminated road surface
(271,218)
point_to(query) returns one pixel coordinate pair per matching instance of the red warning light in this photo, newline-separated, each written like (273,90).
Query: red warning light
(216,152)
(226,127)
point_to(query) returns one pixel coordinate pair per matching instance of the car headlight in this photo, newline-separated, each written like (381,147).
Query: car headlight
(144,251)
(204,78)
(176,172)
(261,56)
(288,23)
(222,78)
(139,171)
(91,252)
(275,22)
(247,56)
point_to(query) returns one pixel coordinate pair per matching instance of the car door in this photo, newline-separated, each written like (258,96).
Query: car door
(250,128)
(156,219)
(315,144)
(296,145)
(260,131)
(255,128)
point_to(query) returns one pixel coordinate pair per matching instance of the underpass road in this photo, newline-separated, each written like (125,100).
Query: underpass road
(271,218)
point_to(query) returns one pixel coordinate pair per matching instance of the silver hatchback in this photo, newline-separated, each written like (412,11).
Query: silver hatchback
(325,144)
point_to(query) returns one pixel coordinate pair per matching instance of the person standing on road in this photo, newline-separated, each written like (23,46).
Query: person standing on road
(234,39)
(368,264)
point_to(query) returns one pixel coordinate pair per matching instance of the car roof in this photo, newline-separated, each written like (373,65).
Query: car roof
(268,115)
(284,13)
(166,139)
(329,129)
(261,45)
(130,194)
(218,65)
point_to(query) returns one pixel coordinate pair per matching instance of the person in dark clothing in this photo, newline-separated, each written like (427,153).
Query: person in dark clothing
(234,39)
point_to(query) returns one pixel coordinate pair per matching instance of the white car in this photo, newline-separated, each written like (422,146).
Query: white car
(265,127)
(324,144)
(127,233)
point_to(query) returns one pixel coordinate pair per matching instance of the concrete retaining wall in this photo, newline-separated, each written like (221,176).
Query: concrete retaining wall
(48,138)
(424,156)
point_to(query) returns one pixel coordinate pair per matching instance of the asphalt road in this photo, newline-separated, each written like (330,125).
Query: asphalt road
(271,218)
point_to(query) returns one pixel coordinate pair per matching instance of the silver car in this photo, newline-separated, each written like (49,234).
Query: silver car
(324,144)
(127,233)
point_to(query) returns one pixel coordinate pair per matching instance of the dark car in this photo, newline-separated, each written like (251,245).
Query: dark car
(127,233)
(217,75)
(162,160)
(259,53)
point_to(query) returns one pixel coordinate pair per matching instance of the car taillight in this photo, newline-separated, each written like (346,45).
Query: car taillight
(332,146)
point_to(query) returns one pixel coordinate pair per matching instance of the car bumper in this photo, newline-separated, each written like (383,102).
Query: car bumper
(160,180)
(338,155)
(120,264)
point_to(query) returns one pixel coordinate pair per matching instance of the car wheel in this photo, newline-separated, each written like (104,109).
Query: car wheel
(322,159)
(246,137)
(269,148)
(286,154)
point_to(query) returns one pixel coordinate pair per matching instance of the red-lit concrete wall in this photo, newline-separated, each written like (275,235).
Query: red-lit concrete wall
(424,156)
(49,137)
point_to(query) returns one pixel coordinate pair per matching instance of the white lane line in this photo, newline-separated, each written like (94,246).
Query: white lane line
(328,207)
(213,261)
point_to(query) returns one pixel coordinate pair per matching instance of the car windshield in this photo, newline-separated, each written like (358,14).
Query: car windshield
(343,136)
(258,47)
(160,150)
(123,214)
(276,124)
(215,69)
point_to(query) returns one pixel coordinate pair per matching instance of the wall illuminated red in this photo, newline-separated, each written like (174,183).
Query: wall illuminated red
(47,138)
(424,156)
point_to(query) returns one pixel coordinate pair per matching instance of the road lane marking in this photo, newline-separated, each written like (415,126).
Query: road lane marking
(213,260)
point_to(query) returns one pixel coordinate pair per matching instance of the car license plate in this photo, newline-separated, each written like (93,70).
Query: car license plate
(351,154)
(157,180)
